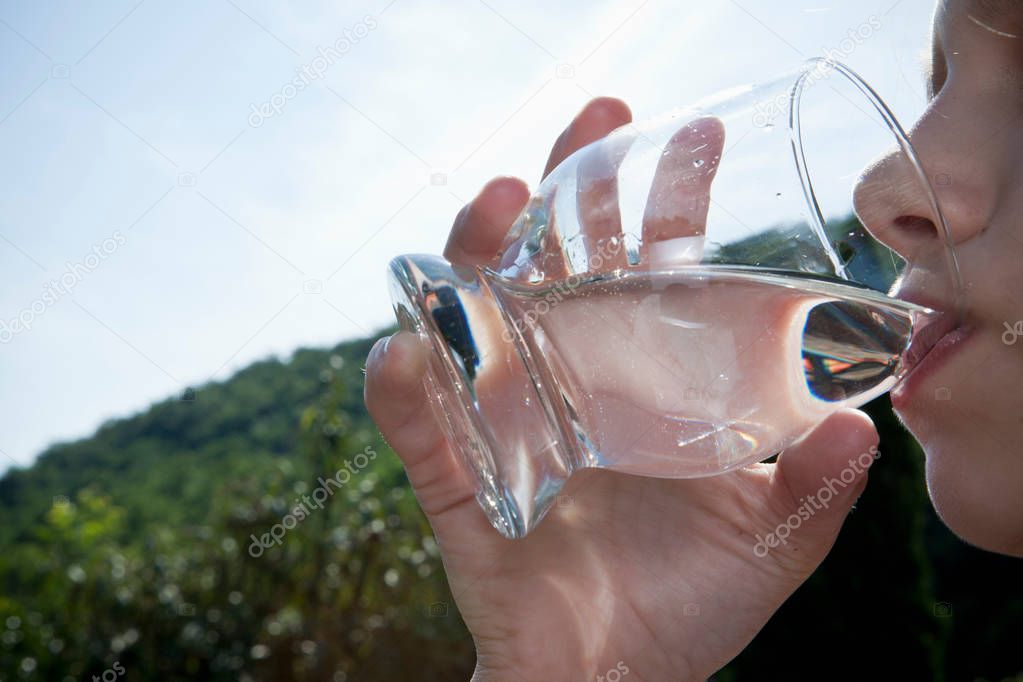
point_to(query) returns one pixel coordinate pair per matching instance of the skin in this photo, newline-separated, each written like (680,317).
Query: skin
(661,575)
(971,132)
(616,572)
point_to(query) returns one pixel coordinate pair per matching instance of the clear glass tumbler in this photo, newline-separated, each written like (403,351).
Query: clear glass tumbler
(686,295)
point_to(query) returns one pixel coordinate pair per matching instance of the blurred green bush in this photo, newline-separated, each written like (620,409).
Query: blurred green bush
(170,546)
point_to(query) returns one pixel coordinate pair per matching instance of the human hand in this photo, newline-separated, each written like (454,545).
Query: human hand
(663,577)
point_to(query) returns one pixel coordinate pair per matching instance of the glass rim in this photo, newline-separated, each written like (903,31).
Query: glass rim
(790,86)
(826,65)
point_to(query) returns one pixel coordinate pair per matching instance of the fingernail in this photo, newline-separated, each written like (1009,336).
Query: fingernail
(379,350)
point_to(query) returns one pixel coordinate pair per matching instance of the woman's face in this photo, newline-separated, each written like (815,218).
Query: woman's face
(965,405)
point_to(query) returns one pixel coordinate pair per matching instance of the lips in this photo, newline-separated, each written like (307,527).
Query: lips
(928,348)
(924,341)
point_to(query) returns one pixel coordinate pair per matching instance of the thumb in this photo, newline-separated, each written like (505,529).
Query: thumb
(815,484)
(397,399)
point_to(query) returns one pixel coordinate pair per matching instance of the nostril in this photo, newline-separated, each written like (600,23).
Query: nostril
(915,226)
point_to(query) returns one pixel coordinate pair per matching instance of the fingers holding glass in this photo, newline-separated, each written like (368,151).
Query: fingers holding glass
(675,216)
(534,242)
(599,117)
(597,206)
(482,224)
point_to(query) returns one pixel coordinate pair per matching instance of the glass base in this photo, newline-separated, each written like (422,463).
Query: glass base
(487,390)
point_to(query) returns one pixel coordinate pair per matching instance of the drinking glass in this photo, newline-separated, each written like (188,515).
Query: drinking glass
(686,295)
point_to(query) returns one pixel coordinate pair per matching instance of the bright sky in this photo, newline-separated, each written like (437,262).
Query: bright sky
(196,235)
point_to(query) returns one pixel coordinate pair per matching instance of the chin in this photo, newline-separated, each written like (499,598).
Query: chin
(980,506)
(974,465)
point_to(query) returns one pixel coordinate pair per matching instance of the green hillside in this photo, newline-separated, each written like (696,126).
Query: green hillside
(181,450)
(131,552)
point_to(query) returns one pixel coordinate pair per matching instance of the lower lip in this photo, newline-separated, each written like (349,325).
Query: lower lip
(945,348)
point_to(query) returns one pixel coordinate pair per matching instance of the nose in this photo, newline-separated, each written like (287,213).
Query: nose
(890,200)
